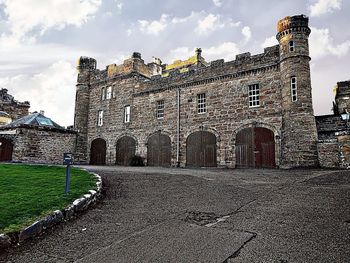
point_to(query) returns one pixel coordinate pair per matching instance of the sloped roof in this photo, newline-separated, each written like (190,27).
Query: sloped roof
(33,120)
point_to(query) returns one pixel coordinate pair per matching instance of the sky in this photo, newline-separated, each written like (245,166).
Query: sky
(41,40)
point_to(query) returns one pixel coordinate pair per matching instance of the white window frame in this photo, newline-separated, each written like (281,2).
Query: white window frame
(201,103)
(109,92)
(127,113)
(103,93)
(100,118)
(160,109)
(254,95)
(293,88)
(291,46)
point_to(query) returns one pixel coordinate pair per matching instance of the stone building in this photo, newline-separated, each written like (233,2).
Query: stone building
(35,138)
(254,111)
(12,108)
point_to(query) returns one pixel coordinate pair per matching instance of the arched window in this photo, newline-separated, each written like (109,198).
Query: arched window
(293,88)
(291,46)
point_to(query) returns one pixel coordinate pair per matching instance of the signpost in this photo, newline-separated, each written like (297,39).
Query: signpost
(67,160)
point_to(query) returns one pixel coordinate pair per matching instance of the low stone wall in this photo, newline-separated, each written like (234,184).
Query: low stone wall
(328,153)
(53,219)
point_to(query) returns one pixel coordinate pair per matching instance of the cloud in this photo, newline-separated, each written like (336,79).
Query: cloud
(217,3)
(209,24)
(29,18)
(322,44)
(322,7)
(52,90)
(226,50)
(269,42)
(247,33)
(154,27)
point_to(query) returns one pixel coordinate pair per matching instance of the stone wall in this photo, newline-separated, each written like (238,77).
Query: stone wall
(41,145)
(11,106)
(328,153)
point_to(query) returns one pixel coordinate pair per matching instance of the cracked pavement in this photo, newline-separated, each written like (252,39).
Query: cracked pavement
(204,215)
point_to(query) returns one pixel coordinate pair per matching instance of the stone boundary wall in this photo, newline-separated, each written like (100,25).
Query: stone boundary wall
(57,217)
(328,153)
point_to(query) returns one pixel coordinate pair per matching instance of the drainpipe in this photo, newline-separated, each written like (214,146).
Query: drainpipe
(178,129)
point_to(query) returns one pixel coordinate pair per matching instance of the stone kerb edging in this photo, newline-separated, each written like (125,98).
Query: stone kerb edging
(58,216)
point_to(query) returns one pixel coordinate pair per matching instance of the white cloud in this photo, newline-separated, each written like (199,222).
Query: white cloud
(324,6)
(28,18)
(52,90)
(322,44)
(119,5)
(226,50)
(208,24)
(154,27)
(177,20)
(247,33)
(269,42)
(218,3)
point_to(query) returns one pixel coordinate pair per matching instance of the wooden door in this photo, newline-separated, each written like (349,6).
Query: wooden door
(201,149)
(159,150)
(98,152)
(255,148)
(125,150)
(6,149)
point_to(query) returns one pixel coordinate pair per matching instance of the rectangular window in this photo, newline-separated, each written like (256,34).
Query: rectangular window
(100,118)
(291,46)
(160,109)
(293,88)
(103,94)
(109,93)
(127,114)
(254,95)
(113,92)
(201,102)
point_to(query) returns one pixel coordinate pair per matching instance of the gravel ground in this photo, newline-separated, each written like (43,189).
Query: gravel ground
(204,215)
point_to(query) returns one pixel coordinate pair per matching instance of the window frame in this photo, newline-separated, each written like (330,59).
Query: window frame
(160,110)
(103,93)
(254,95)
(294,88)
(100,118)
(127,115)
(201,103)
(291,46)
(109,92)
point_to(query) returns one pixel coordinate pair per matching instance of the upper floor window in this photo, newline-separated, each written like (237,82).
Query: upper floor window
(103,94)
(291,46)
(109,93)
(127,114)
(201,103)
(254,95)
(160,109)
(293,88)
(100,118)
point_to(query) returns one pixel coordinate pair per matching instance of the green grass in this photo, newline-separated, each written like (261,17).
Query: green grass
(28,192)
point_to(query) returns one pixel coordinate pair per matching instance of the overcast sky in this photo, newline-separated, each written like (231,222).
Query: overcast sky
(41,40)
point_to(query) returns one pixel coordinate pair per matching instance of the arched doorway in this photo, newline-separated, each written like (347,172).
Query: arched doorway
(159,150)
(98,152)
(255,148)
(6,149)
(125,150)
(201,149)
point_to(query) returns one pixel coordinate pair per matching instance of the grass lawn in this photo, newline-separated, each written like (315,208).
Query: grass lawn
(28,192)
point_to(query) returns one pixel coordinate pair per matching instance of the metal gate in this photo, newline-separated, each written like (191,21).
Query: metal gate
(125,150)
(159,150)
(6,149)
(201,149)
(255,147)
(98,152)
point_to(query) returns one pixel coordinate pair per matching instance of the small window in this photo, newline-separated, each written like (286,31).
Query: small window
(201,102)
(109,93)
(100,118)
(127,114)
(254,95)
(291,46)
(113,92)
(103,94)
(293,88)
(160,109)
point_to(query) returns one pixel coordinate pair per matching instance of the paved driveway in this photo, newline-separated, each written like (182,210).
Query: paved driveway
(205,215)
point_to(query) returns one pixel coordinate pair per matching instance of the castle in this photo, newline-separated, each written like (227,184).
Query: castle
(254,111)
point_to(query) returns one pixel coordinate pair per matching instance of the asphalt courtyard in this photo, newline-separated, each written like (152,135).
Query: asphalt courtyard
(204,215)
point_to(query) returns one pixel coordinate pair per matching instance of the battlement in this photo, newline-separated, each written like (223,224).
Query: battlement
(86,63)
(291,24)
